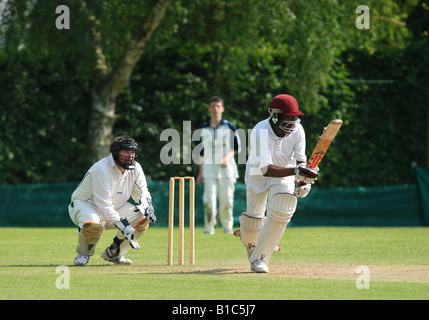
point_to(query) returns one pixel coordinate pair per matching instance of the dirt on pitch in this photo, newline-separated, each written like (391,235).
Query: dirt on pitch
(418,274)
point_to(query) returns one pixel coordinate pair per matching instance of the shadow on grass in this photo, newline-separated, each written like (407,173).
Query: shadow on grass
(122,269)
(52,265)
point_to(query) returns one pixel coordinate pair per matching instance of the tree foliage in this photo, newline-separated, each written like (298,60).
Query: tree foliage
(376,80)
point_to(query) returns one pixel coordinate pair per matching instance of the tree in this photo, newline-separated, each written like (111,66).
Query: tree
(108,83)
(418,23)
(60,89)
(108,56)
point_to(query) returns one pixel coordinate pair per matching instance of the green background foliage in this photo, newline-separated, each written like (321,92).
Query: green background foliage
(376,80)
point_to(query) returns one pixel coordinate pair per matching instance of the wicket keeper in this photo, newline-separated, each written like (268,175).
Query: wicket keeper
(275,176)
(101,202)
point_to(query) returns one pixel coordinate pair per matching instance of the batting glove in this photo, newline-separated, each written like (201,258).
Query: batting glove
(306,175)
(301,191)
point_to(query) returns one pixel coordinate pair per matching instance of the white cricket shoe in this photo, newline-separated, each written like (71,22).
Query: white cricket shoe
(259,266)
(81,260)
(108,255)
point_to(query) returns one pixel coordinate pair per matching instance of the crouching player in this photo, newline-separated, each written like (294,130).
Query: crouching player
(275,176)
(101,202)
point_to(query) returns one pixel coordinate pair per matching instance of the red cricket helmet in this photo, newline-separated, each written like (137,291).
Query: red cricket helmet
(287,105)
(284,103)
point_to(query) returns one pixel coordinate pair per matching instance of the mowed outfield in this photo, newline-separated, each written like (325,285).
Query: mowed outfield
(314,263)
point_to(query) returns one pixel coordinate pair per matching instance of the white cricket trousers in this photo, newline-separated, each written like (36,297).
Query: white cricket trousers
(257,202)
(222,190)
(281,206)
(83,212)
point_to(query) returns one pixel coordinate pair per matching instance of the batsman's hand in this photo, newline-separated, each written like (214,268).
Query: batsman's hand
(147,210)
(306,175)
(128,232)
(301,190)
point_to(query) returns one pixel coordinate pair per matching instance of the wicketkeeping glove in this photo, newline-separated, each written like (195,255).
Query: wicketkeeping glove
(128,232)
(147,209)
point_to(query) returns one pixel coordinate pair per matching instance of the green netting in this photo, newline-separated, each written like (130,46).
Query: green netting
(36,205)
(423,185)
(381,206)
(403,205)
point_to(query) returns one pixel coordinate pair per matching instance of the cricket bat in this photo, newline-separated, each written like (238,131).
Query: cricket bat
(324,142)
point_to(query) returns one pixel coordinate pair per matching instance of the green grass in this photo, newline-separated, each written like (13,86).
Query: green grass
(315,263)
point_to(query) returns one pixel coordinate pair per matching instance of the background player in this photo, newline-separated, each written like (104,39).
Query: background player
(218,168)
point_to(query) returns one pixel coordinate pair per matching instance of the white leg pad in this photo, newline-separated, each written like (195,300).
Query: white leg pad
(89,235)
(249,229)
(280,209)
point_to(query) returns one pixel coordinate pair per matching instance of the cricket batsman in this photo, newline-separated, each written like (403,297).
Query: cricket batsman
(101,202)
(275,177)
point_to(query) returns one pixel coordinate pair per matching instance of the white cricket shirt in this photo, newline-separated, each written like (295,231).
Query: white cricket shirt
(216,143)
(108,190)
(267,148)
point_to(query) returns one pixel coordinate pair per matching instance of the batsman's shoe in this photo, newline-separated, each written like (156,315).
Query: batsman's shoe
(108,255)
(81,260)
(259,266)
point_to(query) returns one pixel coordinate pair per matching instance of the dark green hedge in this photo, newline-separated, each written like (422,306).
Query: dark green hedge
(382,98)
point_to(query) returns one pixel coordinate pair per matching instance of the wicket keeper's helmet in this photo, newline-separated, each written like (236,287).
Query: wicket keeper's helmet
(124,143)
(287,105)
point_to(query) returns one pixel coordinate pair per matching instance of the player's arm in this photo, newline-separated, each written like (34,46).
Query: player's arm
(301,172)
(144,197)
(140,190)
(200,172)
(199,147)
(235,145)
(277,171)
(224,161)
